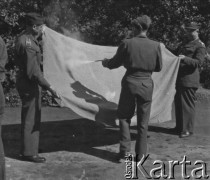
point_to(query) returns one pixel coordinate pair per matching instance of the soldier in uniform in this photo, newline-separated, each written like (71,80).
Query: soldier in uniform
(30,80)
(191,52)
(3,60)
(140,56)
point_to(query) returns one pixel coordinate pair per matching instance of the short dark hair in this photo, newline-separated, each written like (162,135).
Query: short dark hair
(143,22)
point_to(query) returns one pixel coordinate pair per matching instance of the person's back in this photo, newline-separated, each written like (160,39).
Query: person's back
(139,55)
(142,55)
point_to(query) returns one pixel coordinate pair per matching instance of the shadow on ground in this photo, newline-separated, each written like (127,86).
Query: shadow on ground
(158,129)
(164,130)
(79,135)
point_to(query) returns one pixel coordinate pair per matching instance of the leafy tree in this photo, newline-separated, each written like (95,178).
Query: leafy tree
(107,22)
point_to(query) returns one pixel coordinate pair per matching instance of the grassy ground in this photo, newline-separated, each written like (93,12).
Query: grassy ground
(79,149)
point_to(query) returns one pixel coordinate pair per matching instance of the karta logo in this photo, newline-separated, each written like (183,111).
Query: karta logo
(165,170)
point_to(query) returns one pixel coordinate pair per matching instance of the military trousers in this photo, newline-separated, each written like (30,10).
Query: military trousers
(136,94)
(185,108)
(2,158)
(30,118)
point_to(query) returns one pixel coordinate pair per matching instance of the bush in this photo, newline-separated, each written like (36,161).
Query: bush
(12,99)
(205,73)
(48,100)
(104,23)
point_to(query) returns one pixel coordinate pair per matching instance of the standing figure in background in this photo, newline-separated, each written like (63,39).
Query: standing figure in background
(30,80)
(191,52)
(3,60)
(140,56)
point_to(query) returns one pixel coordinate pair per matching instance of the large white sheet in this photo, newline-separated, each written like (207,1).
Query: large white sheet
(91,90)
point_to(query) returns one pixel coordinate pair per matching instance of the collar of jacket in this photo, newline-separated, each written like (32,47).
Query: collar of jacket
(141,36)
(30,34)
(193,41)
(33,38)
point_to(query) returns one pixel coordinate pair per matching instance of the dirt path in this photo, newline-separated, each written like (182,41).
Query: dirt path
(79,149)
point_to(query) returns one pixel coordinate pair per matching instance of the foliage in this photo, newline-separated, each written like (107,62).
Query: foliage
(205,73)
(47,99)
(107,22)
(12,98)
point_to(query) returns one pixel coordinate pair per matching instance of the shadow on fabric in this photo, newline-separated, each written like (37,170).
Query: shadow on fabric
(107,110)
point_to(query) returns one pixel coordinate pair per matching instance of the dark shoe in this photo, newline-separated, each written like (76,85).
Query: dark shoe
(185,134)
(35,159)
(174,130)
(121,157)
(40,150)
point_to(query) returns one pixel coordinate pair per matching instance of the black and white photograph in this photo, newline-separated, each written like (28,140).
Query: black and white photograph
(104,89)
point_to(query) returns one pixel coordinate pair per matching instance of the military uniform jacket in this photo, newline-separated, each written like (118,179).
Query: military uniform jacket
(139,55)
(28,59)
(188,75)
(3,59)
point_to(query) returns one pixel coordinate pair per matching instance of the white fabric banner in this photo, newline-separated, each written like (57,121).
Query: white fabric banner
(92,91)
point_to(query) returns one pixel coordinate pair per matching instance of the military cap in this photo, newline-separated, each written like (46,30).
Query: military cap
(142,22)
(34,19)
(191,26)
